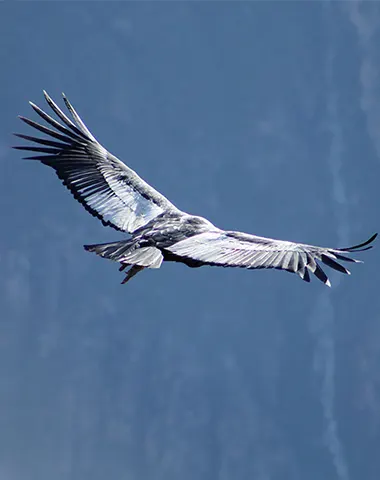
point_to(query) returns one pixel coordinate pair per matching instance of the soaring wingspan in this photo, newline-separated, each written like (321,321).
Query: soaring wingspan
(235,249)
(104,185)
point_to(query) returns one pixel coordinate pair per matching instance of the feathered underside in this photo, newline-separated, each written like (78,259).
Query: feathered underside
(104,185)
(235,249)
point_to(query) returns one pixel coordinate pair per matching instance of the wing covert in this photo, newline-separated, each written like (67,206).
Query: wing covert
(104,185)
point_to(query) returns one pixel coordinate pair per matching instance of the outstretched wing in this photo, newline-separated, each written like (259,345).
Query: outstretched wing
(104,185)
(234,249)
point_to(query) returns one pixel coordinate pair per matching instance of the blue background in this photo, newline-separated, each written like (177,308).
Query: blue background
(262,117)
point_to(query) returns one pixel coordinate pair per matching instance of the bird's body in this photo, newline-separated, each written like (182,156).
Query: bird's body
(159,231)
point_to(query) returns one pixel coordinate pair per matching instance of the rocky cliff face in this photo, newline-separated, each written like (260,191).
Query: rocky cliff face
(262,117)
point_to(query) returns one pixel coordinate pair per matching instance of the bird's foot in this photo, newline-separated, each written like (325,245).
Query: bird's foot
(131,272)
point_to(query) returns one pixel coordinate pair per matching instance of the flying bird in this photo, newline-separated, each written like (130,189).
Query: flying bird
(158,230)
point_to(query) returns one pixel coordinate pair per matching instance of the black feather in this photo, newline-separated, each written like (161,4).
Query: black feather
(358,248)
(319,273)
(332,264)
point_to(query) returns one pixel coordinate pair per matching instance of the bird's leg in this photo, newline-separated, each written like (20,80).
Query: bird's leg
(131,272)
(123,266)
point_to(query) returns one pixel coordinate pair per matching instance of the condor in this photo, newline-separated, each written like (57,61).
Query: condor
(159,231)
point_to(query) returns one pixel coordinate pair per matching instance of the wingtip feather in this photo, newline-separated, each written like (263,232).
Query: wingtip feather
(47,96)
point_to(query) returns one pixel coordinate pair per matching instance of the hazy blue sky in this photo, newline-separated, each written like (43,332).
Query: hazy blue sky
(261,116)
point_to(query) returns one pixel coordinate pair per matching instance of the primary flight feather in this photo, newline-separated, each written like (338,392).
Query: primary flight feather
(159,231)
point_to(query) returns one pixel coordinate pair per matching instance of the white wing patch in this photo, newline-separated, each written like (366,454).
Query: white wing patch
(105,186)
(234,249)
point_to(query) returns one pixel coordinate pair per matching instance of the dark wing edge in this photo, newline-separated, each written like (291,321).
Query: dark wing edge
(361,247)
(105,186)
(235,249)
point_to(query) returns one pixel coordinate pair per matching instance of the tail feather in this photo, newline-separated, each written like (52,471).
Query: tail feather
(144,256)
(128,252)
(113,251)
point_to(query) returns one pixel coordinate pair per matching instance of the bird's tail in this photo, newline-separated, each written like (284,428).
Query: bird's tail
(128,252)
